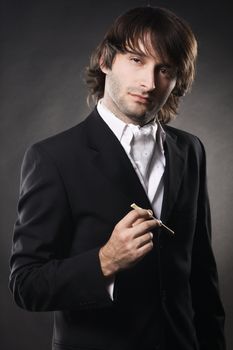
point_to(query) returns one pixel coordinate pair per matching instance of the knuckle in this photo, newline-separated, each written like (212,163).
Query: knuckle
(134,214)
(122,237)
(150,234)
(149,247)
(147,225)
(128,246)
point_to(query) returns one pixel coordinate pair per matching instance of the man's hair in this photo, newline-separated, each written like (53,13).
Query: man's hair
(169,35)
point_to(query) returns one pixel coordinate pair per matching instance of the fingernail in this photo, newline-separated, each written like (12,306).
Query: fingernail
(150,212)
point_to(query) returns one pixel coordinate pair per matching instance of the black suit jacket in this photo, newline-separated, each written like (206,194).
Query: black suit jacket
(75,187)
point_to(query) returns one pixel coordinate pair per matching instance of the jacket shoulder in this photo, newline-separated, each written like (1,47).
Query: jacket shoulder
(62,146)
(184,138)
(64,139)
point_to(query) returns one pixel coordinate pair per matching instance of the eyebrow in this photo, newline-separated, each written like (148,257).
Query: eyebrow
(143,55)
(135,52)
(167,65)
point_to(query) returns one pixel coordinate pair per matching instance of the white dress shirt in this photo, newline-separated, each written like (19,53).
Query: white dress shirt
(124,133)
(155,187)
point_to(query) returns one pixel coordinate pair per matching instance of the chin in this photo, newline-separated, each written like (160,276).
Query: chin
(140,119)
(138,112)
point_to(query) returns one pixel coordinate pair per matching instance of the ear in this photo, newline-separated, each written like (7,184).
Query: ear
(102,65)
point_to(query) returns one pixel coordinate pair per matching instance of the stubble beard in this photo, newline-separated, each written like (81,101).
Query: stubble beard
(139,116)
(126,110)
(131,113)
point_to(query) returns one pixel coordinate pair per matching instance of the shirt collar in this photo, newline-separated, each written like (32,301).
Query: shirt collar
(118,127)
(115,124)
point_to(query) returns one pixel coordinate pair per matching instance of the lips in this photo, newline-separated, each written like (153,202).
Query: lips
(140,98)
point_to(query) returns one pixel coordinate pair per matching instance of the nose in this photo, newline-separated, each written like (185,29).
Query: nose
(148,79)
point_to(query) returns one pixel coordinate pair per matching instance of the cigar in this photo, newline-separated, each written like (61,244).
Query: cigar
(135,206)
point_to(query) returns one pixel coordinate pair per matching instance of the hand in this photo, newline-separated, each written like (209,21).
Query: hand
(130,241)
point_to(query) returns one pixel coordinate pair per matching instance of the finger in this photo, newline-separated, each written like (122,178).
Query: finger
(138,221)
(144,239)
(144,227)
(136,207)
(132,216)
(145,249)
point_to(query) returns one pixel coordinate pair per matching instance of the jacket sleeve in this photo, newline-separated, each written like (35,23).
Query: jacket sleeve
(44,276)
(209,313)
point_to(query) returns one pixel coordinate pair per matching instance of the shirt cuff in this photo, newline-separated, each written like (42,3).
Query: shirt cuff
(110,286)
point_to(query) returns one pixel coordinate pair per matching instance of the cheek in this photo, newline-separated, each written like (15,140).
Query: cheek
(124,75)
(168,87)
(118,83)
(113,86)
(172,85)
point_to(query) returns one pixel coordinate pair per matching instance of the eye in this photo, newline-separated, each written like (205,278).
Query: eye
(168,72)
(136,60)
(164,70)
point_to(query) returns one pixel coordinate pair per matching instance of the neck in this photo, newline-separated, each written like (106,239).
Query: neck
(141,121)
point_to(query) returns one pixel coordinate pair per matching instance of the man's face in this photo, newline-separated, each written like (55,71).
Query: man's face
(138,85)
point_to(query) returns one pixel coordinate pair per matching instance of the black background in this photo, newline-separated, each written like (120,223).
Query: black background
(45,46)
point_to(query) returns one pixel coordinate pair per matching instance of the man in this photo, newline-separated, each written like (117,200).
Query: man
(116,277)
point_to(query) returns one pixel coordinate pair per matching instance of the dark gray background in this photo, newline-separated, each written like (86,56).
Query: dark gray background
(44,49)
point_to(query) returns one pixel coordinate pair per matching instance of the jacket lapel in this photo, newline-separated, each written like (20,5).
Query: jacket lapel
(173,173)
(109,157)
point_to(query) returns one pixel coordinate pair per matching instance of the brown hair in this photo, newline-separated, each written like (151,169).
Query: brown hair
(170,36)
